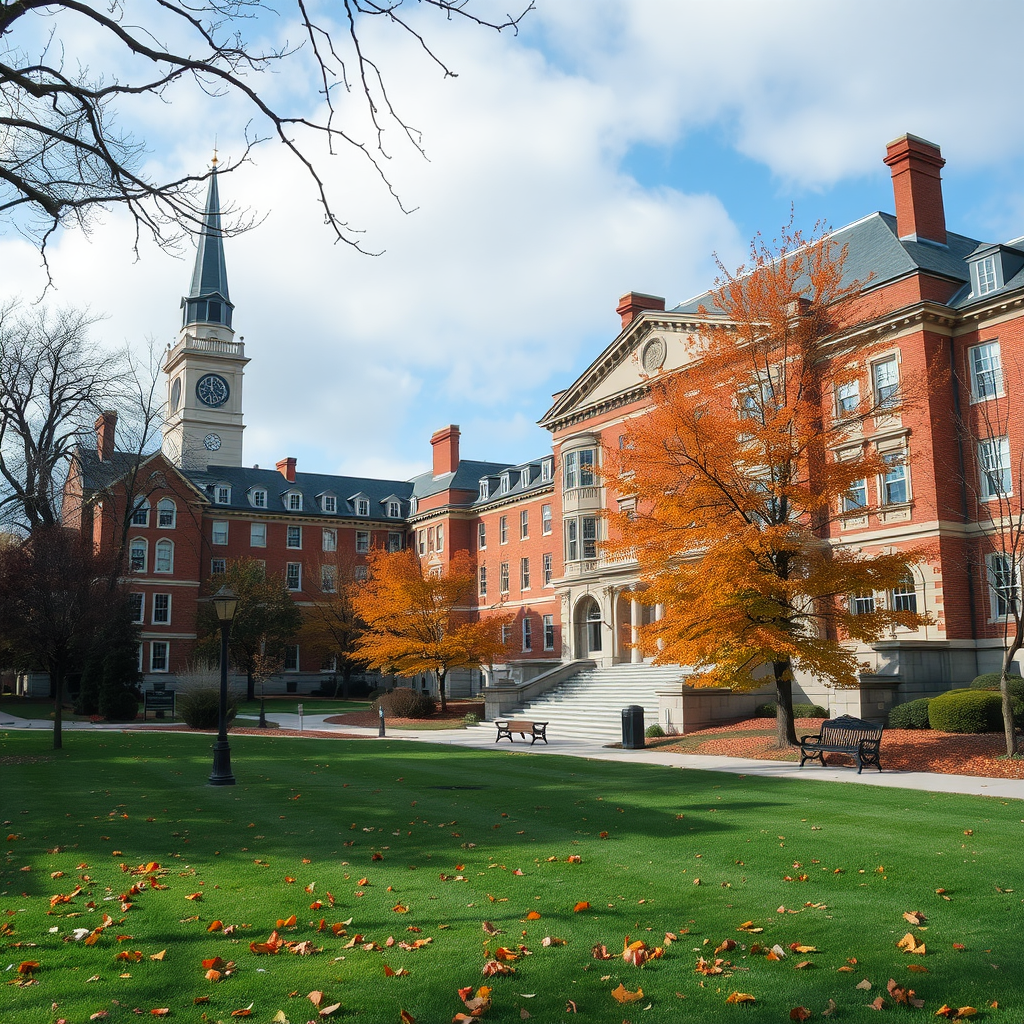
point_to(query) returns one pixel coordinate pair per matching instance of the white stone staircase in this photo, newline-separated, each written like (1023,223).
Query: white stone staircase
(588,706)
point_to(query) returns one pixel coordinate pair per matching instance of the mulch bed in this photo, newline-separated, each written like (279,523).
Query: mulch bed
(903,750)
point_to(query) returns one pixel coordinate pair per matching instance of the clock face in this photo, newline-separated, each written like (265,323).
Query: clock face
(212,390)
(212,442)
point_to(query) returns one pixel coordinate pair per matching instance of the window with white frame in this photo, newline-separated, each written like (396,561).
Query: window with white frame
(572,544)
(161,609)
(222,494)
(994,467)
(258,497)
(894,482)
(328,578)
(986,371)
(164,556)
(588,536)
(440,536)
(587,462)
(219,532)
(137,555)
(362,506)
(293,501)
(985,272)
(885,380)
(506,632)
(257,535)
(294,538)
(291,658)
(503,578)
(548,568)
(218,566)
(904,596)
(545,519)
(293,576)
(329,504)
(362,541)
(481,537)
(524,524)
(524,574)
(847,398)
(546,470)
(158,655)
(503,530)
(330,540)
(140,517)
(524,477)
(394,510)
(1002,582)
(485,488)
(430,538)
(569,472)
(137,605)
(482,580)
(862,604)
(505,485)
(138,651)
(549,632)
(329,663)
(394,541)
(856,498)
(527,634)
(421,541)
(166,514)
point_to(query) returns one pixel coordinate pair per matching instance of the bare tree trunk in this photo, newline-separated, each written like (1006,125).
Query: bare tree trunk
(1009,727)
(785,730)
(441,679)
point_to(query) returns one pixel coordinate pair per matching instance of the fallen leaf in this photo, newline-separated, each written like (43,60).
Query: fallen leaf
(581,906)
(158,956)
(161,1011)
(327,1011)
(740,997)
(406,1017)
(245,1011)
(533,916)
(910,945)
(914,917)
(865,985)
(623,995)
(194,896)
(799,1013)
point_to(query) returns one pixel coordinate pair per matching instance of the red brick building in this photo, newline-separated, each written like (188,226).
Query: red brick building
(948,306)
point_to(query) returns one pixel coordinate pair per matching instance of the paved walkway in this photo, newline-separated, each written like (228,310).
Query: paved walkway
(482,737)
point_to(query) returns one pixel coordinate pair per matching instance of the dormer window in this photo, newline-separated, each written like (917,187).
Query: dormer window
(329,504)
(485,488)
(412,506)
(505,483)
(394,510)
(293,501)
(258,497)
(524,477)
(362,506)
(986,277)
(222,494)
(547,470)
(992,266)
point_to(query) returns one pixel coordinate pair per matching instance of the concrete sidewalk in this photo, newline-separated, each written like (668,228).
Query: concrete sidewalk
(481,737)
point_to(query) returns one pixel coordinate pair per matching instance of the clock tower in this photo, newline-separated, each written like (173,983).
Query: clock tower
(203,425)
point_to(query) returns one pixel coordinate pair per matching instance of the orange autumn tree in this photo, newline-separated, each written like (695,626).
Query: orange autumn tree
(751,454)
(421,622)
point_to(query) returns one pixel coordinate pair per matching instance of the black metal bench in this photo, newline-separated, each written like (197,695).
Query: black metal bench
(845,735)
(535,730)
(158,701)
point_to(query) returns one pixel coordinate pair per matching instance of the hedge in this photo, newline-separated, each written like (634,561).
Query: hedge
(966,711)
(911,715)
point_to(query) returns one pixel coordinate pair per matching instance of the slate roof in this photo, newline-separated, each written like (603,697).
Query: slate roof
(97,475)
(465,478)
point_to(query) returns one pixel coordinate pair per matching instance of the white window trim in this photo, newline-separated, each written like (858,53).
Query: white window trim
(163,542)
(170,602)
(145,554)
(252,542)
(288,538)
(983,477)
(527,631)
(524,524)
(226,499)
(173,510)
(1000,387)
(142,505)
(503,530)
(360,548)
(546,524)
(548,620)
(296,589)
(140,620)
(993,592)
(214,529)
(288,504)
(481,536)
(255,494)
(153,644)
(327,500)
(329,539)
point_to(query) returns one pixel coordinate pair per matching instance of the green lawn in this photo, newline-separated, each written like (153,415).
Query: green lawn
(826,865)
(311,706)
(36,710)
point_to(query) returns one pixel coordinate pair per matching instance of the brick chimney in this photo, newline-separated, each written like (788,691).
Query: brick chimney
(632,304)
(105,425)
(446,450)
(915,164)
(286,467)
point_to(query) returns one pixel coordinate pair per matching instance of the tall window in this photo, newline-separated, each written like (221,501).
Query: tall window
(481,537)
(329,504)
(548,568)
(904,597)
(430,538)
(986,370)
(994,463)
(545,519)
(362,506)
(524,574)
(856,498)
(162,609)
(440,536)
(527,634)
(505,484)
(524,478)
(506,633)
(545,470)
(291,658)
(485,488)
(549,632)
(421,538)
(503,578)
(330,540)
(294,537)
(847,398)
(257,535)
(219,533)
(587,467)
(294,501)
(524,524)
(503,529)
(569,474)
(885,378)
(862,604)
(394,541)
(1002,581)
(137,556)
(328,578)
(166,514)
(137,604)
(894,483)
(158,655)
(293,576)
(987,281)
(394,510)
(588,533)
(164,561)
(482,578)
(362,541)
(572,548)
(140,517)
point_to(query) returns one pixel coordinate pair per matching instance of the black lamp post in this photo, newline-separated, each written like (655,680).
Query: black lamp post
(224,602)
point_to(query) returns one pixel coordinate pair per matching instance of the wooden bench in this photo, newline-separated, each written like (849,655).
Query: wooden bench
(845,735)
(535,730)
(158,701)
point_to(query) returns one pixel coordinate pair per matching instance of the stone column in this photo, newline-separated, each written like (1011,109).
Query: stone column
(635,656)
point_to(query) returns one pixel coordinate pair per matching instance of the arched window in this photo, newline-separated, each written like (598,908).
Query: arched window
(140,517)
(164,560)
(137,555)
(166,514)
(258,497)
(594,626)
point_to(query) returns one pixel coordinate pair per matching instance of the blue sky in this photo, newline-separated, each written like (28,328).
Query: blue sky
(614,145)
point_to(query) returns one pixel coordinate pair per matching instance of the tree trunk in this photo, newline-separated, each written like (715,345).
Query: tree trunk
(250,685)
(441,677)
(1009,727)
(346,680)
(57,682)
(785,730)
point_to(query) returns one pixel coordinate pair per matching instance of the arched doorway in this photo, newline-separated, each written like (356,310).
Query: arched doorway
(589,627)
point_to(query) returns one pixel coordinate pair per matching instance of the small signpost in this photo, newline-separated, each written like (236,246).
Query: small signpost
(300,717)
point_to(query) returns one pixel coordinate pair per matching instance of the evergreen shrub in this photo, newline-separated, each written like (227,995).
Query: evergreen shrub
(913,714)
(990,681)
(199,707)
(654,731)
(966,711)
(768,710)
